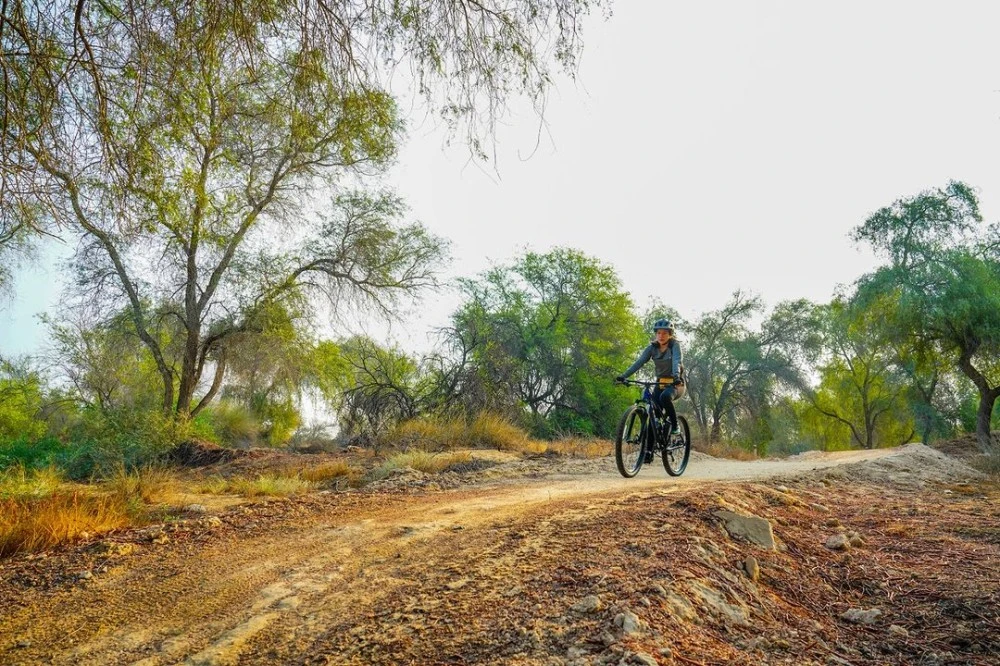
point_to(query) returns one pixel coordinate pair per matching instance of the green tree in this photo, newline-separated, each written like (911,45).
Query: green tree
(182,154)
(21,401)
(944,271)
(546,334)
(860,385)
(735,372)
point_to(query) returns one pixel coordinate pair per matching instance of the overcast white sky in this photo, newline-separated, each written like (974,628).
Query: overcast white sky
(707,147)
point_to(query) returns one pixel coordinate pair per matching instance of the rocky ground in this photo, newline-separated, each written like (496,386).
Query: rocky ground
(886,557)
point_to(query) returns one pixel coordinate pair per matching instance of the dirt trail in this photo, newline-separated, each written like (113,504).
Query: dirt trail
(315,583)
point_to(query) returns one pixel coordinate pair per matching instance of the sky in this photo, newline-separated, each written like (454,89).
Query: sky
(702,148)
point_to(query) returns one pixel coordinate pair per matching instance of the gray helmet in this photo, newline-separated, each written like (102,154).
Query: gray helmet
(662,323)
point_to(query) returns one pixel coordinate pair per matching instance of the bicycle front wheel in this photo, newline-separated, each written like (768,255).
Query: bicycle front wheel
(630,441)
(678,449)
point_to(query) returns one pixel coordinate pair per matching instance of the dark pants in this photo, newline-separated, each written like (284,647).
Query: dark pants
(664,397)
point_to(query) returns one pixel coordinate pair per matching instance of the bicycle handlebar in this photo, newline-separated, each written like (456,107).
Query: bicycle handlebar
(637,382)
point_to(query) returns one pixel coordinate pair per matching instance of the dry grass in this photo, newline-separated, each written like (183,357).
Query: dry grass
(152,484)
(330,471)
(422,461)
(34,525)
(724,450)
(261,485)
(578,447)
(487,431)
(20,484)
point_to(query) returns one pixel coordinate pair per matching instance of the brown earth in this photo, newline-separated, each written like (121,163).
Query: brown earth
(548,562)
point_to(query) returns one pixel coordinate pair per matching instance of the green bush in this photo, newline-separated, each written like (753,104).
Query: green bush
(232,423)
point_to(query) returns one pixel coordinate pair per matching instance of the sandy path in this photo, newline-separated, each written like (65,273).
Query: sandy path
(264,597)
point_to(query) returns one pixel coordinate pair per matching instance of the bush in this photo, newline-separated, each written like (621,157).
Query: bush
(23,484)
(422,461)
(233,424)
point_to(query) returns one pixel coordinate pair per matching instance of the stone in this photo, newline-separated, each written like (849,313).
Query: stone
(212,521)
(715,602)
(85,575)
(643,659)
(628,622)
(838,542)
(855,540)
(658,590)
(782,489)
(589,604)
(665,652)
(754,529)
(195,508)
(680,607)
(822,508)
(575,652)
(897,630)
(752,568)
(22,644)
(861,616)
(832,522)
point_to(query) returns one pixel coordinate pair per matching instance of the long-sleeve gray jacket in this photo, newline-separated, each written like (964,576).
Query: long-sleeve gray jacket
(667,362)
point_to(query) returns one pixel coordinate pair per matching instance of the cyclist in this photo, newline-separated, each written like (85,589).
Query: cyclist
(665,352)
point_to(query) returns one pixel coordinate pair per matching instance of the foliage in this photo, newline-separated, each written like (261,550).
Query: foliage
(860,386)
(546,334)
(944,272)
(736,372)
(20,402)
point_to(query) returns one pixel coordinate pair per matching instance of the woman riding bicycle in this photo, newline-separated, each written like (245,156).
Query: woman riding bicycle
(665,352)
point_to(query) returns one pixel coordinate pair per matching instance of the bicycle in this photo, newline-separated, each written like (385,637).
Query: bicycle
(641,431)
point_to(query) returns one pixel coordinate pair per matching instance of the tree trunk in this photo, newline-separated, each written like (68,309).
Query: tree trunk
(986,402)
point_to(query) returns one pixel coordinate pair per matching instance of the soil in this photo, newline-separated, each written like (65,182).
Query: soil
(542,561)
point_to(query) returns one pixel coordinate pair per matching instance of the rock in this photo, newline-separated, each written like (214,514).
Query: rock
(665,652)
(681,608)
(607,639)
(752,568)
(589,604)
(855,540)
(715,602)
(628,622)
(658,590)
(85,575)
(195,508)
(643,659)
(782,489)
(211,521)
(643,601)
(860,616)
(752,528)
(22,644)
(113,549)
(897,630)
(575,652)
(838,542)
(832,522)
(822,508)
(457,584)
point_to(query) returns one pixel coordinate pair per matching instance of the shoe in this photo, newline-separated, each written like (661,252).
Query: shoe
(649,457)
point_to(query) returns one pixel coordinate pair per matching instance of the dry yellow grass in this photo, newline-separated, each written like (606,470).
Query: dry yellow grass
(422,461)
(486,431)
(268,485)
(19,483)
(724,450)
(579,447)
(34,525)
(330,471)
(151,484)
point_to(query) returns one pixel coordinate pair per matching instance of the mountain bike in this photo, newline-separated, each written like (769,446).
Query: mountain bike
(642,433)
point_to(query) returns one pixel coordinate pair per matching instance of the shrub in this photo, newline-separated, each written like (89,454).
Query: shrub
(150,483)
(234,424)
(580,447)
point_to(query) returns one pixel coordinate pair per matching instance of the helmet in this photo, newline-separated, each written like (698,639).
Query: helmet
(662,323)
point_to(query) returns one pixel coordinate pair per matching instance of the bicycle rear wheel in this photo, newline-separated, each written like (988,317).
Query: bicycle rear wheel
(630,441)
(678,449)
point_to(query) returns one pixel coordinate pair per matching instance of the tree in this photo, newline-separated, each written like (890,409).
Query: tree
(860,385)
(20,401)
(944,270)
(734,371)
(548,333)
(183,144)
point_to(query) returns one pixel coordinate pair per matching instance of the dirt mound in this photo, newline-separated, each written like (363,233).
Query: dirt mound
(915,466)
(965,447)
